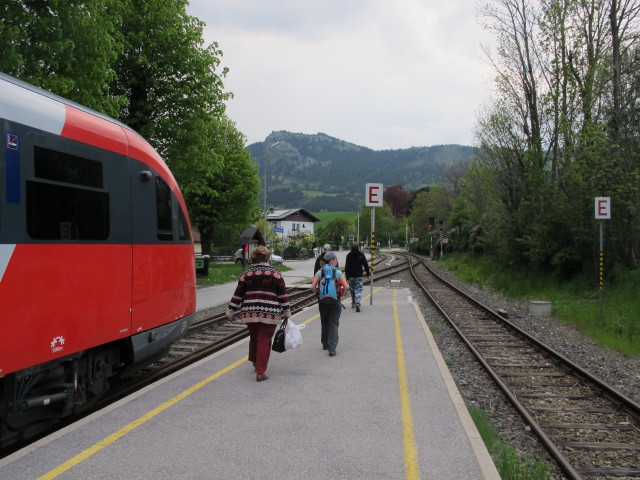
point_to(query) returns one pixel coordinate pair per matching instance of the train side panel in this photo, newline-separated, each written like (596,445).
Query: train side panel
(158,295)
(61,299)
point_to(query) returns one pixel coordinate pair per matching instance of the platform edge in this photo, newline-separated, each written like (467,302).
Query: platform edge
(488,468)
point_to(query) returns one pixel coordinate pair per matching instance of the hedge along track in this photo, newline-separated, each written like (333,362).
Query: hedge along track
(588,427)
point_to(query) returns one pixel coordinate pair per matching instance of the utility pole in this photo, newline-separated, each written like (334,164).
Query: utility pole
(265,188)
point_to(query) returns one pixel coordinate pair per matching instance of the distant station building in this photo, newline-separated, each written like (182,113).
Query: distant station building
(292,221)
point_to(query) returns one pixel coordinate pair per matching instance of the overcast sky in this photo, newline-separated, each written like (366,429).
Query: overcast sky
(383,74)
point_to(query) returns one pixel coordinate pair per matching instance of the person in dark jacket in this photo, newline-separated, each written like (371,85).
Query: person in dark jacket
(325,249)
(353,269)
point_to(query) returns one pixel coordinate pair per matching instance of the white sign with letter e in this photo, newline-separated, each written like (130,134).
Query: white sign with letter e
(603,208)
(373,195)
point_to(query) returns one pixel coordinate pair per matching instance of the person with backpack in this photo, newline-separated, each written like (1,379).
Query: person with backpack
(356,261)
(329,283)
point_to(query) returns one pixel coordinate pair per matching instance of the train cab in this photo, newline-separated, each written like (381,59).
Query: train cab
(96,257)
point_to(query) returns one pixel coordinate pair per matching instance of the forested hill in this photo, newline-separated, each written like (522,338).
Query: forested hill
(319,172)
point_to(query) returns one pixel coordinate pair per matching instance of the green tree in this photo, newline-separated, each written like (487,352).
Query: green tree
(224,194)
(387,226)
(435,202)
(67,47)
(171,82)
(561,131)
(334,232)
(175,93)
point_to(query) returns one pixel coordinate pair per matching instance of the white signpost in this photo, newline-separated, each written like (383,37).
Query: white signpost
(373,198)
(603,212)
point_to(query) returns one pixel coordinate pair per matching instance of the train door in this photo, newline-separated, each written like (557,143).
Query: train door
(164,265)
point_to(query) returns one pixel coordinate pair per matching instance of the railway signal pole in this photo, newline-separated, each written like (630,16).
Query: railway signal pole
(373,198)
(603,212)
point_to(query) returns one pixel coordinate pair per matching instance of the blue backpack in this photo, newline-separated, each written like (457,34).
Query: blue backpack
(328,292)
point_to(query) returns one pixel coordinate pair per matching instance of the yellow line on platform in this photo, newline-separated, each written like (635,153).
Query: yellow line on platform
(412,468)
(124,430)
(148,416)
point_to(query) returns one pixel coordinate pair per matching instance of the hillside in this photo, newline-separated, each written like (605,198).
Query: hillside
(319,172)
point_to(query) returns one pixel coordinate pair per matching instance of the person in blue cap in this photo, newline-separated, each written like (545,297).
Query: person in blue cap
(330,284)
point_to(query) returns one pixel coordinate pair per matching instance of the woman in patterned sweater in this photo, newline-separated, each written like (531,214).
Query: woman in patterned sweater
(262,300)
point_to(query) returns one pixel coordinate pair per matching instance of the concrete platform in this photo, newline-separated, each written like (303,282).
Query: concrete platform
(384,408)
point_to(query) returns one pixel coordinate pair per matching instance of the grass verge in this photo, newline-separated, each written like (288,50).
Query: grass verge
(575,302)
(510,464)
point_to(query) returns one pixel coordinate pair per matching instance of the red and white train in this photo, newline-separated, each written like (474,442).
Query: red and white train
(97,271)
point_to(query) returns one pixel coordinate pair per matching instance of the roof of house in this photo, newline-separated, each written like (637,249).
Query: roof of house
(249,234)
(291,215)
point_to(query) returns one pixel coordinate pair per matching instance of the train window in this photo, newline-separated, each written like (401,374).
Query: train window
(79,211)
(64,167)
(163,210)
(183,226)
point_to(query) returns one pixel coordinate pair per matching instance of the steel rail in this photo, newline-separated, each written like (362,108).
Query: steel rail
(548,443)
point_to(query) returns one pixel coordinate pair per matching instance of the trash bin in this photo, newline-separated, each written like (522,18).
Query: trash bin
(202,265)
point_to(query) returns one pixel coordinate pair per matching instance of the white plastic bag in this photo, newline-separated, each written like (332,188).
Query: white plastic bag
(292,335)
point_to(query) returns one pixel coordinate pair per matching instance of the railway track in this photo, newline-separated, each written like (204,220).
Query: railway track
(589,428)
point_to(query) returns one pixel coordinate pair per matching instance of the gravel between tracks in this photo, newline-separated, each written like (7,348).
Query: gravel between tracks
(477,388)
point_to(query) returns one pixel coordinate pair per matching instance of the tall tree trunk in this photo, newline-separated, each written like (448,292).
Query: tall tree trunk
(206,239)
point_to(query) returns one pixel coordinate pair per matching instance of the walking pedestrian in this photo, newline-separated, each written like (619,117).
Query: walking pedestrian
(329,279)
(262,300)
(325,249)
(353,269)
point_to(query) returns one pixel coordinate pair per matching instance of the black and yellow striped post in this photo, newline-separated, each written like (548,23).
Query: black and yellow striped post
(373,248)
(601,270)
(373,259)
(601,292)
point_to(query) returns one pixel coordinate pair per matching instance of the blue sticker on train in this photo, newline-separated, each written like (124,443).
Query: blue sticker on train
(12,167)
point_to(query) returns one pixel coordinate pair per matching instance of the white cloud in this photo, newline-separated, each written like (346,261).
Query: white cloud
(376,73)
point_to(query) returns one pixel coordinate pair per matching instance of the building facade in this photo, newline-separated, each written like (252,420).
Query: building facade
(292,221)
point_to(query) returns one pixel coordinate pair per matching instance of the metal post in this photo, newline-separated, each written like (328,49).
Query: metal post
(373,250)
(265,188)
(264,225)
(430,244)
(601,300)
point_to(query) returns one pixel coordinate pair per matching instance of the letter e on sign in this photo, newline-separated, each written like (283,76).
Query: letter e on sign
(373,195)
(603,208)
